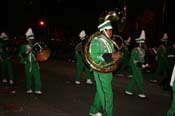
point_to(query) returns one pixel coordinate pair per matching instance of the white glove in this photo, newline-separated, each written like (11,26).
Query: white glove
(146,65)
(82,34)
(143,66)
(171,56)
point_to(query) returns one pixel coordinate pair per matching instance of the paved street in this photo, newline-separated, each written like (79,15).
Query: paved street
(61,97)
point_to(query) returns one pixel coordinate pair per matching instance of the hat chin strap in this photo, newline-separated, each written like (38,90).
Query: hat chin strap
(106,33)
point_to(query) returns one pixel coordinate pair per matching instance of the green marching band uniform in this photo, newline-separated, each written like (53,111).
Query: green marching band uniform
(170,64)
(31,64)
(80,64)
(137,63)
(6,59)
(101,50)
(172,84)
(161,60)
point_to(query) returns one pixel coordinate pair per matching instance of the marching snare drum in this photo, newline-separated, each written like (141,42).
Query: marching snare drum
(41,51)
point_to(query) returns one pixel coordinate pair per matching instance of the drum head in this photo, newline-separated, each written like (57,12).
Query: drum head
(43,55)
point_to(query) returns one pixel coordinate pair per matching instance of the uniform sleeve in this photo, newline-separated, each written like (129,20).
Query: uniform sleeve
(134,57)
(76,52)
(96,51)
(21,54)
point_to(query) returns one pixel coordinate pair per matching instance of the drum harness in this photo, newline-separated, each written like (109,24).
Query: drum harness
(30,56)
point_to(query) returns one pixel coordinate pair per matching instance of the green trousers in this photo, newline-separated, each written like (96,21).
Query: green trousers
(81,66)
(104,95)
(6,67)
(172,107)
(32,70)
(125,66)
(137,80)
(161,68)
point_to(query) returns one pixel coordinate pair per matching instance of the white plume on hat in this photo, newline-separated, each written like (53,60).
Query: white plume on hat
(29,34)
(142,37)
(82,35)
(3,36)
(165,37)
(128,40)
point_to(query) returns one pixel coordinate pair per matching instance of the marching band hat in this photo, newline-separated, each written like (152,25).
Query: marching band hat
(105,25)
(142,37)
(164,38)
(127,42)
(29,34)
(3,36)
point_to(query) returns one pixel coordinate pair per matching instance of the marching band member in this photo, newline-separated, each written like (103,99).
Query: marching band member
(172,84)
(80,64)
(170,63)
(137,63)
(161,58)
(102,50)
(6,57)
(31,64)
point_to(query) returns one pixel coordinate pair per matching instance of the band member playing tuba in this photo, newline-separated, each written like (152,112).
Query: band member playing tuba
(102,51)
(31,65)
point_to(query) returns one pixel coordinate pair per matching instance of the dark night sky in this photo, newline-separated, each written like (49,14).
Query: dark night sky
(21,14)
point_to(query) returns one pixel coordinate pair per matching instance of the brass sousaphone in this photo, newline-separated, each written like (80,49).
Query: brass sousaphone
(118,18)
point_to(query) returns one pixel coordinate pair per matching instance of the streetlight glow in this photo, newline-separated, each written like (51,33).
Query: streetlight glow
(41,23)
